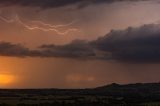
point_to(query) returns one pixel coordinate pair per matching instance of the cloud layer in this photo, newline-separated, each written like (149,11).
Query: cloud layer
(132,44)
(8,49)
(56,3)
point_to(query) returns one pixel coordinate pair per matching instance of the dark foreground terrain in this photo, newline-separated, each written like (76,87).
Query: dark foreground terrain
(147,94)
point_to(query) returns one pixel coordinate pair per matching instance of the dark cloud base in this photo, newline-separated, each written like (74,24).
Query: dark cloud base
(56,3)
(141,44)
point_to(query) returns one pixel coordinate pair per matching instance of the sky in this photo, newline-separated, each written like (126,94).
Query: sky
(78,43)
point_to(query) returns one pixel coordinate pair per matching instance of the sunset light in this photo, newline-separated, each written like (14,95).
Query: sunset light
(79,53)
(6,79)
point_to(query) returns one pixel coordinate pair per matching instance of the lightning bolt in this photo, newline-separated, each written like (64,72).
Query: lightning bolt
(53,26)
(46,27)
(7,20)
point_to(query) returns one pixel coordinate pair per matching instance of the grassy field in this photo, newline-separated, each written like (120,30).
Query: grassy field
(50,100)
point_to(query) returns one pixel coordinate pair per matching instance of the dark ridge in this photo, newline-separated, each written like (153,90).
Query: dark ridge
(133,90)
(110,95)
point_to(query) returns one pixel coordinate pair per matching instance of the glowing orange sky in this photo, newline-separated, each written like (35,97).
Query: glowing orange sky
(6,79)
(93,22)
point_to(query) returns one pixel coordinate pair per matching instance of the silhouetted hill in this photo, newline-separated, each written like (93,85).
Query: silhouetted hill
(138,89)
(129,86)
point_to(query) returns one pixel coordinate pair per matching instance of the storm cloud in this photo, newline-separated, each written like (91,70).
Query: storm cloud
(9,49)
(56,3)
(76,49)
(132,44)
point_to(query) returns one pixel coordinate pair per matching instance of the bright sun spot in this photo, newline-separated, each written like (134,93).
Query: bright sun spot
(6,79)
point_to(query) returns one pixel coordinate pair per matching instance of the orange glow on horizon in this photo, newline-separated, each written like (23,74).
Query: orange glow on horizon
(6,79)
